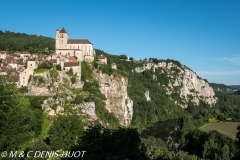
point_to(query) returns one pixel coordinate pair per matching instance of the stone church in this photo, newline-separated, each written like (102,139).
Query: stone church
(81,48)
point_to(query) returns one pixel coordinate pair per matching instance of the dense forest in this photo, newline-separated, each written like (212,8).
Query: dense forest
(11,41)
(24,126)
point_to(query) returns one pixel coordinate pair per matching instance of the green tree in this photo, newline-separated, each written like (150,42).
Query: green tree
(102,143)
(78,99)
(65,131)
(238,140)
(45,65)
(37,145)
(14,118)
(58,67)
(73,79)
(54,73)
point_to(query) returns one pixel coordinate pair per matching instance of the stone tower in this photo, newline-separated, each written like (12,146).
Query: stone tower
(61,39)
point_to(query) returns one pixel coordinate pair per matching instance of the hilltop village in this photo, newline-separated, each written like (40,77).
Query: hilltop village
(69,54)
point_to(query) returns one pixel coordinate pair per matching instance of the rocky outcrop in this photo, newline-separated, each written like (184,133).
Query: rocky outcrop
(43,85)
(54,107)
(147,96)
(88,108)
(184,82)
(118,101)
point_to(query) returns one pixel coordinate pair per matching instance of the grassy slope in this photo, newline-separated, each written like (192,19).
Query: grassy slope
(226,128)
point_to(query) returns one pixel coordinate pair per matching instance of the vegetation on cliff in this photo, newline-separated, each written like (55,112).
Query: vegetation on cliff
(25,127)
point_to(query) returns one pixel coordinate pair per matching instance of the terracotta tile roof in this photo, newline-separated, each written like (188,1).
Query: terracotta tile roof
(71,58)
(66,55)
(25,52)
(4,64)
(9,59)
(32,59)
(3,52)
(15,78)
(53,60)
(4,69)
(101,57)
(78,41)
(63,30)
(71,64)
(20,62)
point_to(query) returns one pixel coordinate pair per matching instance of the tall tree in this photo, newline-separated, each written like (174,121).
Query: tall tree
(103,143)
(65,131)
(14,118)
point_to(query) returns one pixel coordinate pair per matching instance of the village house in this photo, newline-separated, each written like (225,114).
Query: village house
(114,66)
(32,63)
(10,60)
(14,66)
(75,67)
(69,54)
(3,54)
(102,59)
(8,71)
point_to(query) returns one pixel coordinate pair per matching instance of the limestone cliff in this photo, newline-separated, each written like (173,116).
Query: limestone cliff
(183,81)
(57,106)
(118,101)
(44,85)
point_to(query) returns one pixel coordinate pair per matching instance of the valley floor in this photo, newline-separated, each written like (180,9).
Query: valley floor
(226,128)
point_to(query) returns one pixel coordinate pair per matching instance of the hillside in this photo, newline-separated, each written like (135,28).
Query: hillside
(148,109)
(224,88)
(12,42)
(226,128)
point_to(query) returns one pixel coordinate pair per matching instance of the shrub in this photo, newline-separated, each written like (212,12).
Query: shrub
(54,73)
(45,65)
(58,67)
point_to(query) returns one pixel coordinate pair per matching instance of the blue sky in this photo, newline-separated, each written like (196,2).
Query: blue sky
(202,34)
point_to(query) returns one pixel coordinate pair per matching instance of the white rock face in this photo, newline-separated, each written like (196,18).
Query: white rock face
(118,101)
(147,96)
(191,87)
(87,108)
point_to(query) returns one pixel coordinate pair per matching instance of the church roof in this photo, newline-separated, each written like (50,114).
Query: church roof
(63,30)
(78,41)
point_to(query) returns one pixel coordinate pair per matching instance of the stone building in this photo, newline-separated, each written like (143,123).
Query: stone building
(102,59)
(81,48)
